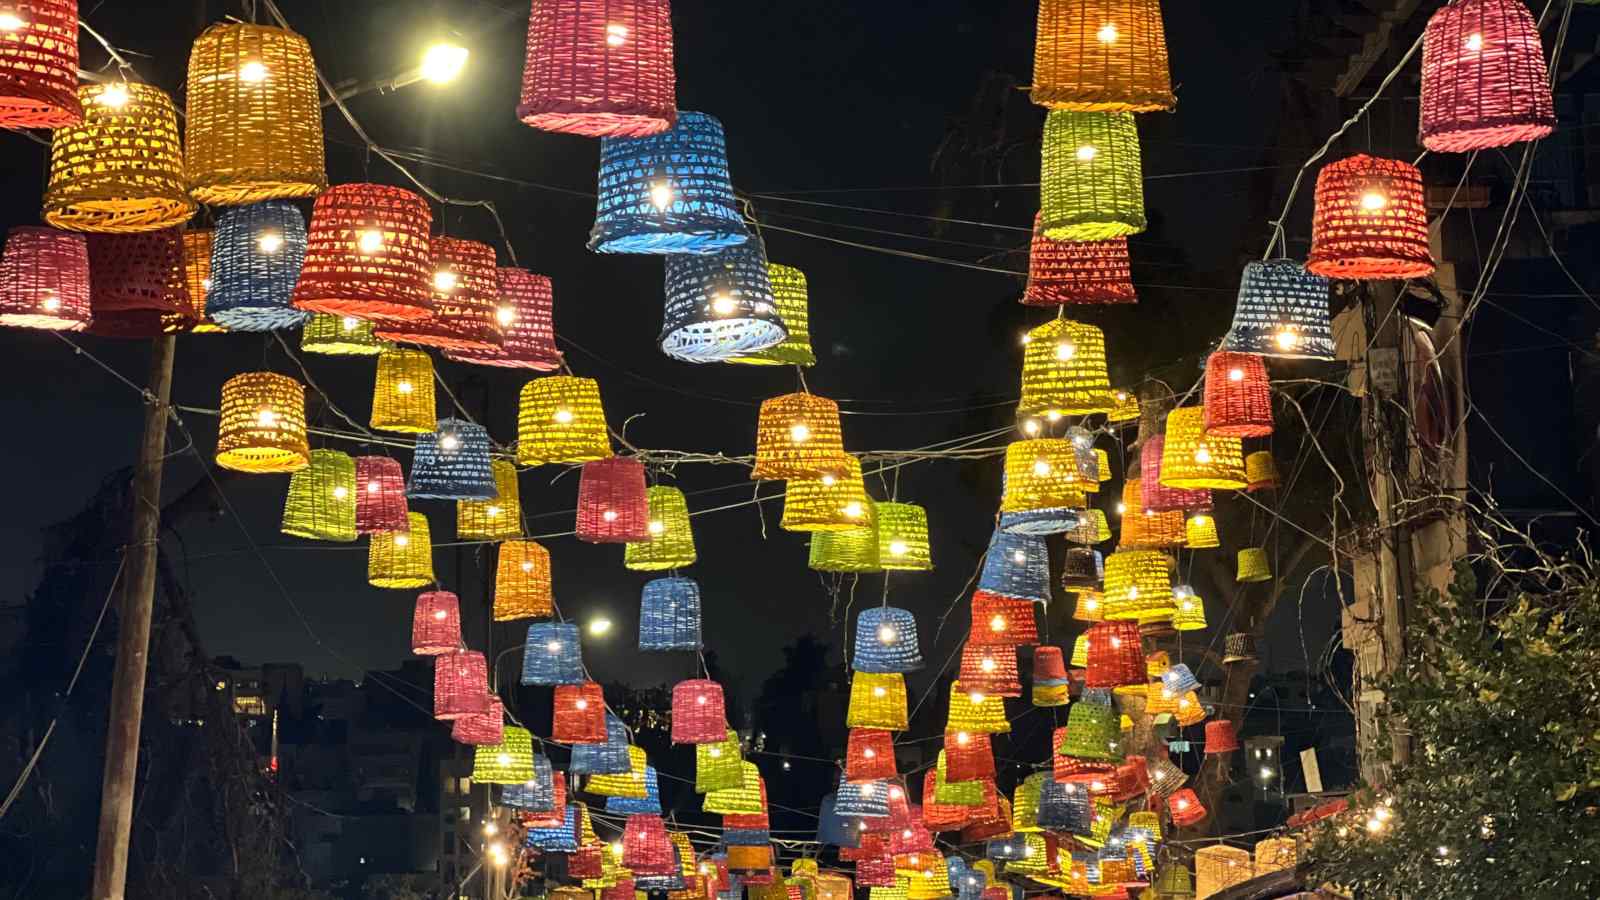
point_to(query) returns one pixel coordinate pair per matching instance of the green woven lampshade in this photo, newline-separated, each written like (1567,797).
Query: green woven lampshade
(1093,732)
(1092,181)
(903,537)
(509,762)
(671,543)
(793,299)
(321,504)
(955,793)
(334,335)
(1025,803)
(744,800)
(718,767)
(855,550)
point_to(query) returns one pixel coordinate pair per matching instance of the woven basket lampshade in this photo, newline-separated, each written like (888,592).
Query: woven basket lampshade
(609,758)
(119,169)
(1282,311)
(1261,471)
(975,712)
(578,714)
(790,293)
(452,463)
(1090,606)
(1002,621)
(1064,371)
(1092,527)
(1254,566)
(1042,473)
(197,278)
(401,559)
(1102,56)
(522,582)
(612,502)
(1138,585)
(1068,272)
(747,799)
(1484,82)
(1049,666)
(525,315)
(799,436)
(1191,614)
(1220,867)
(255,260)
(487,728)
(380,495)
(136,283)
(831,886)
(545,792)
(1124,408)
(600,70)
(877,701)
(869,755)
(1371,221)
(669,615)
(1190,710)
(668,193)
(254,118)
(671,539)
(698,714)
(436,624)
(1276,855)
(1178,680)
(332,335)
(552,654)
(1238,400)
(1174,883)
(990,669)
(1184,806)
(39,66)
(263,426)
(1092,177)
(466,301)
(1083,570)
(321,503)
(44,272)
(852,551)
(1193,458)
(1115,656)
(1221,737)
(865,800)
(1092,733)
(1143,527)
(830,502)
(903,538)
(1157,497)
(509,762)
(557,833)
(497,519)
(886,641)
(718,767)
(368,255)
(968,756)
(560,420)
(460,685)
(1080,651)
(649,804)
(1200,532)
(1016,566)
(402,397)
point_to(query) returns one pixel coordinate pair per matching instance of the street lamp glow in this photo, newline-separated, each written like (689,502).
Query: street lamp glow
(600,626)
(443,62)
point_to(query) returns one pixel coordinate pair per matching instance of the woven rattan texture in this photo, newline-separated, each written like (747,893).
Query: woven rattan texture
(602,68)
(1371,221)
(667,193)
(368,254)
(526,315)
(465,301)
(120,169)
(39,67)
(720,306)
(44,280)
(1092,180)
(1101,55)
(1484,81)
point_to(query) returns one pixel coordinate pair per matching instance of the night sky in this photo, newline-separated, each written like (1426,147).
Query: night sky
(815,96)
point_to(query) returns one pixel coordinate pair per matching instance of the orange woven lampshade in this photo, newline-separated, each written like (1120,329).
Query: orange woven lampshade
(1144,528)
(869,755)
(1002,621)
(1484,82)
(466,301)
(121,168)
(197,278)
(1194,458)
(1221,737)
(39,67)
(263,427)
(368,255)
(1238,399)
(578,714)
(1116,657)
(1370,222)
(1101,56)
(798,436)
(522,582)
(1063,272)
(1064,371)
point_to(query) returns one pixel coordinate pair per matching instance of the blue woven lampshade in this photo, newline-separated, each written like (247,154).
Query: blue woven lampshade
(669,615)
(537,794)
(561,839)
(1064,806)
(869,799)
(1282,311)
(667,193)
(886,641)
(834,829)
(1018,566)
(1041,522)
(1179,680)
(256,256)
(609,758)
(720,306)
(452,463)
(649,804)
(552,654)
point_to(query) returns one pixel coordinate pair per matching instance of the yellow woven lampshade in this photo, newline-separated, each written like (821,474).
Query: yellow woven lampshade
(930,882)
(402,559)
(901,890)
(744,800)
(1092,528)
(1138,585)
(1080,652)
(671,543)
(197,278)
(509,762)
(321,503)
(1042,473)
(522,582)
(717,766)
(1276,855)
(1219,867)
(1200,532)
(334,335)
(1261,470)
(1190,710)
(253,117)
(493,520)
(877,701)
(852,551)
(1191,613)
(903,537)
(1158,702)
(1101,56)
(631,783)
(1049,695)
(1124,407)
(1254,566)
(798,436)
(1144,528)
(121,168)
(560,420)
(1064,371)
(1102,462)
(833,502)
(1194,459)
(975,712)
(402,398)
(1025,803)
(793,300)
(1089,606)
(263,426)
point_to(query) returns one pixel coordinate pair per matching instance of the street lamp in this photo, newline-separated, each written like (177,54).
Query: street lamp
(442,63)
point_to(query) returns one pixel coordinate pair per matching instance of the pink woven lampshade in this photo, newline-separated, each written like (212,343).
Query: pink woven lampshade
(1238,399)
(1048,664)
(869,755)
(1484,82)
(612,502)
(579,715)
(698,714)
(1003,621)
(436,624)
(483,729)
(1221,737)
(380,496)
(526,316)
(1157,497)
(135,280)
(600,69)
(44,276)
(1116,657)
(466,302)
(646,849)
(39,66)
(990,669)
(460,685)
(368,255)
(1065,272)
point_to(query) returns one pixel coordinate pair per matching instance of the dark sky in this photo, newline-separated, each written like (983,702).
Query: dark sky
(814,95)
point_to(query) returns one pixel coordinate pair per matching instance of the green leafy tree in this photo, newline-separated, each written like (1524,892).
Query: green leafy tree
(1501,797)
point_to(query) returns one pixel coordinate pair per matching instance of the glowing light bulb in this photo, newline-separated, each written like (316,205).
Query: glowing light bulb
(267,418)
(503,759)
(1116,642)
(1287,340)
(114,96)
(449,442)
(1202,454)
(369,242)
(963,739)
(853,509)
(895,793)
(51,303)
(661,195)
(616,35)
(1443,850)
(580,703)
(1091,604)
(270,242)
(444,281)
(1031,426)
(1121,507)
(527,565)
(10,21)
(976,697)
(490,828)
(657,527)
(1041,467)
(440,615)
(1053,415)
(350,323)
(610,515)
(829,481)
(1188,606)
(714,752)
(616,848)
(869,753)
(493,510)
(1107,34)
(205,283)
(1235,374)
(505,315)
(401,540)
(1097,787)
(998,623)
(441,63)
(1199,521)
(886,634)
(1065,351)
(1133,592)
(553,647)
(1475,42)
(988,664)
(1374,825)
(1372,201)
(1019,557)
(700,700)
(1087,152)
(563,417)
(1265,773)
(1026,339)
(800,432)
(341,492)
(253,72)
(898,548)
(879,692)
(723,305)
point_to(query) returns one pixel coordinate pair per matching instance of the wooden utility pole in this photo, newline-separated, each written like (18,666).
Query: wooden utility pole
(133,638)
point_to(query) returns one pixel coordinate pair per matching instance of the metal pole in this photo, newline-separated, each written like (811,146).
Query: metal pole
(133,639)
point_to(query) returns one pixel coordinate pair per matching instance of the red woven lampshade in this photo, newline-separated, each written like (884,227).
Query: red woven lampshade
(1184,805)
(483,729)
(526,316)
(698,715)
(1132,778)
(876,871)
(580,714)
(751,820)
(990,669)
(967,757)
(1238,399)
(380,495)
(1049,664)
(460,685)
(586,862)
(646,849)
(465,301)
(600,69)
(1484,82)
(986,827)
(1221,737)
(1115,655)
(44,276)
(367,255)
(436,624)
(941,816)
(134,280)
(1063,272)
(612,506)
(1370,221)
(1002,621)
(911,837)
(873,845)
(869,755)
(39,66)
(1157,497)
